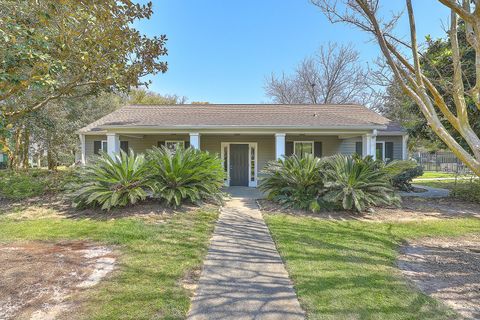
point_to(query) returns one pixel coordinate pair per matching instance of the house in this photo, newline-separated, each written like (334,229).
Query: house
(3,160)
(247,136)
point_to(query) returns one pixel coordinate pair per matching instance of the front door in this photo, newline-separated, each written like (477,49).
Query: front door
(239,165)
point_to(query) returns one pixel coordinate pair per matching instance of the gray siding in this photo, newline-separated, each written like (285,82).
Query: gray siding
(347,146)
(266,143)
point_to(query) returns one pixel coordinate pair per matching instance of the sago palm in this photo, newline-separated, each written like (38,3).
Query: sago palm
(357,184)
(111,181)
(185,175)
(294,182)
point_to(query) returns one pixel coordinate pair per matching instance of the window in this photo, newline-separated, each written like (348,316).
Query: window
(99,146)
(302,148)
(252,163)
(380,151)
(174,144)
(124,146)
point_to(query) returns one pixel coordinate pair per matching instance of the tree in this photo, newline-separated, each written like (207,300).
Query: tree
(436,63)
(404,60)
(333,75)
(55,49)
(144,97)
(50,133)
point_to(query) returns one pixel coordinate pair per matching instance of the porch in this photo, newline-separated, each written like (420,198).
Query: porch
(244,155)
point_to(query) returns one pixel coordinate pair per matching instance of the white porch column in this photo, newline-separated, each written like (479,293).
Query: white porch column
(113,144)
(369,144)
(404,147)
(280,145)
(195,140)
(373,151)
(82,149)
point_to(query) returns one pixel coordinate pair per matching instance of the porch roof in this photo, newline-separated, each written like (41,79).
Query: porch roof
(224,116)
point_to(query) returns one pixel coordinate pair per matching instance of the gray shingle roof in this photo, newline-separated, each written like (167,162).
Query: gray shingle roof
(239,115)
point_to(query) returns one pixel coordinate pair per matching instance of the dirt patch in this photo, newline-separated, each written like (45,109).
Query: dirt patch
(39,278)
(57,207)
(411,209)
(446,269)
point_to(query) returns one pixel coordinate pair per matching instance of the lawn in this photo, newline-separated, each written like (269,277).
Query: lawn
(436,174)
(346,269)
(154,258)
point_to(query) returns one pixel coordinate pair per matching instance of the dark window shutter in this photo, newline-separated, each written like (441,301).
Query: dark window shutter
(288,148)
(124,146)
(187,144)
(97,146)
(317,149)
(359,148)
(389,151)
(160,143)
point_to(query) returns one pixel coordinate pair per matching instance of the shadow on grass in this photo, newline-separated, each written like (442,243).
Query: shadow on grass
(346,270)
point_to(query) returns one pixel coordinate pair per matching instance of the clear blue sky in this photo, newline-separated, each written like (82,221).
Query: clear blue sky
(221,50)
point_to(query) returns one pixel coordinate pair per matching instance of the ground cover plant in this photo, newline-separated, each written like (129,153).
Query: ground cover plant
(346,269)
(18,185)
(154,259)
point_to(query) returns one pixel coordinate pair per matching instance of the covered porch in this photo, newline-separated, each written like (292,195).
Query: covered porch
(245,154)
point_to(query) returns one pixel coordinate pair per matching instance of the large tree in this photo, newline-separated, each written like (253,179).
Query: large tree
(55,49)
(333,75)
(436,63)
(404,60)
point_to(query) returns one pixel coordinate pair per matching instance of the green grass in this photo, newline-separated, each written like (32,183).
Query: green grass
(345,270)
(154,258)
(435,174)
(34,182)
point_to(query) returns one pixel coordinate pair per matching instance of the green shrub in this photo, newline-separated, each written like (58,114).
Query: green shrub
(185,175)
(466,190)
(111,182)
(402,172)
(32,183)
(357,184)
(294,182)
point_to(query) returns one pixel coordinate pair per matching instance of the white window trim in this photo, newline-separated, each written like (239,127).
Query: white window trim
(310,141)
(106,145)
(383,149)
(251,145)
(175,141)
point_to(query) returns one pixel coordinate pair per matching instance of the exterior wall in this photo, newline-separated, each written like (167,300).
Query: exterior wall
(266,143)
(329,143)
(347,146)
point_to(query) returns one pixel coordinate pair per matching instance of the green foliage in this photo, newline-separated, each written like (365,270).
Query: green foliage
(185,175)
(36,182)
(54,49)
(403,180)
(144,97)
(357,184)
(111,181)
(294,182)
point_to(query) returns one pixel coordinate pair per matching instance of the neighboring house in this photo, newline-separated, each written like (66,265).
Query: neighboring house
(247,136)
(3,160)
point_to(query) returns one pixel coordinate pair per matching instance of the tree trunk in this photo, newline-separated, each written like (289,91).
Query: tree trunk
(26,147)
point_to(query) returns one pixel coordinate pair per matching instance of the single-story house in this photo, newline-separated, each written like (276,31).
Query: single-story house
(247,136)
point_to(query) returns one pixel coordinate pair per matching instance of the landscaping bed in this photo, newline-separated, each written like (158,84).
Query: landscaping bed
(447,269)
(412,209)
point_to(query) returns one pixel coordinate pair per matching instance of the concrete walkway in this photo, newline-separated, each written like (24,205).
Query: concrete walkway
(243,275)
(430,193)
